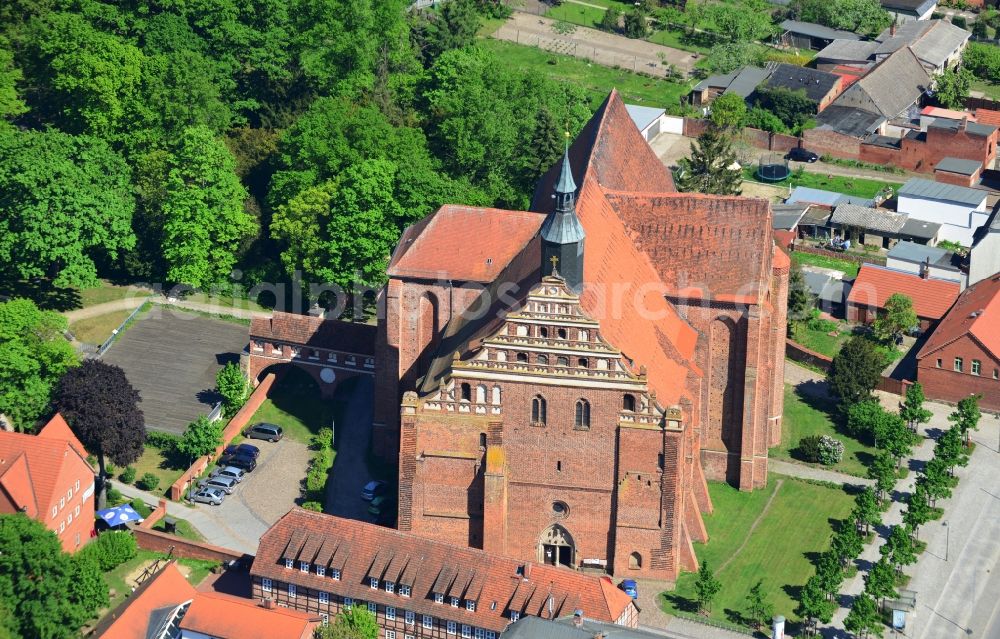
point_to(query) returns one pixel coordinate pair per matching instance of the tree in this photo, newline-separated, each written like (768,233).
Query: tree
(611,20)
(200,438)
(352,623)
(936,480)
(793,108)
(728,111)
(636,22)
(453,25)
(759,609)
(895,318)
(33,356)
(983,61)
(801,300)
(707,586)
(847,544)
(895,437)
(730,56)
(966,416)
(49,592)
(829,573)
(866,511)
(234,387)
(862,16)
(102,409)
(11,104)
(913,410)
(66,201)
(918,510)
(814,604)
(710,169)
(949,448)
(899,548)
(883,471)
(880,582)
(748,22)
(855,371)
(545,147)
(952,87)
(863,617)
(204,217)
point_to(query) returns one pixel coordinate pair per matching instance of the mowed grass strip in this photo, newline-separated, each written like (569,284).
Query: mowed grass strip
(596,80)
(806,416)
(849,268)
(779,551)
(95,330)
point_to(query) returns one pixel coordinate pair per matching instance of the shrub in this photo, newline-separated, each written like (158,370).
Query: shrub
(831,450)
(110,469)
(313,505)
(127,476)
(149,481)
(318,469)
(111,549)
(809,448)
(162,441)
(959,21)
(822,325)
(140,507)
(323,439)
(114,497)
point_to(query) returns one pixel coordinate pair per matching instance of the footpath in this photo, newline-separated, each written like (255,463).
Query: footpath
(131,303)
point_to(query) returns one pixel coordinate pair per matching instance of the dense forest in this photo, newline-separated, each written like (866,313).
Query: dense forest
(174,141)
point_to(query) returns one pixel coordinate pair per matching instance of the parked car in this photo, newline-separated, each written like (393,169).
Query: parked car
(225,484)
(229,471)
(802,155)
(630,588)
(373,489)
(209,495)
(242,462)
(247,450)
(269,432)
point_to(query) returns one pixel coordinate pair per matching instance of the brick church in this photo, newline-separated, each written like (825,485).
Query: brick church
(559,383)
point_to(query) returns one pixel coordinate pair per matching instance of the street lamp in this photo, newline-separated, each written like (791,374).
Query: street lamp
(947,539)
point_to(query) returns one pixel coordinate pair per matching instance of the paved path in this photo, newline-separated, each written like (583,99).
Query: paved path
(124,304)
(803,471)
(606,49)
(350,469)
(130,303)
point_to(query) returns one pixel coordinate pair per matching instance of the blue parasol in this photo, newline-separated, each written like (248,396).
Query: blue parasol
(119,515)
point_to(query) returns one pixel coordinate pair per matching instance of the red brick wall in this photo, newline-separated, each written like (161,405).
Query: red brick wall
(162,542)
(946,177)
(946,384)
(840,146)
(799,353)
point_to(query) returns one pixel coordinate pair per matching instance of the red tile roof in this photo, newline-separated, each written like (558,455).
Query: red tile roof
(987,116)
(167,589)
(931,297)
(57,428)
(31,468)
(362,551)
(226,617)
(463,243)
(292,328)
(975,313)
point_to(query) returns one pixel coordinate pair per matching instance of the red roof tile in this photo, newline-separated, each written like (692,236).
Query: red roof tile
(463,243)
(976,313)
(226,617)
(425,564)
(292,328)
(32,482)
(57,428)
(168,588)
(931,297)
(987,116)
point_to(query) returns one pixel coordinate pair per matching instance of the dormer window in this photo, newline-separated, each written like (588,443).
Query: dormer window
(335,573)
(438,597)
(514,615)
(404,590)
(373,582)
(320,571)
(470,605)
(454,602)
(303,566)
(390,586)
(289,563)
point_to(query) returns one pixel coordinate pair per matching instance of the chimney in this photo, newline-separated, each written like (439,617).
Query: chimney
(925,268)
(268,603)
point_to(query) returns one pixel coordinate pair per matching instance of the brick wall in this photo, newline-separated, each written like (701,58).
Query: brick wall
(949,385)
(693,127)
(823,141)
(958,179)
(799,353)
(179,547)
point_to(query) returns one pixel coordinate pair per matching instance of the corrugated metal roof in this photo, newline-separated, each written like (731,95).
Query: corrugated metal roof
(958,165)
(824,198)
(746,81)
(814,30)
(867,218)
(920,229)
(931,40)
(919,187)
(842,50)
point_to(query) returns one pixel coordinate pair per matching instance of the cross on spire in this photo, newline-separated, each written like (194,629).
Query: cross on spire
(555,260)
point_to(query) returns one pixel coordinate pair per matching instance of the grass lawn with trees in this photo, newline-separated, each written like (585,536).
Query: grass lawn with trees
(595,79)
(797,521)
(805,416)
(819,340)
(167,467)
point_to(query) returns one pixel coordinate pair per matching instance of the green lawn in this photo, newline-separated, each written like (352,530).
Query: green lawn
(819,340)
(95,330)
(849,268)
(228,301)
(577,14)
(779,551)
(183,529)
(680,39)
(108,292)
(294,403)
(805,416)
(991,91)
(167,467)
(859,187)
(596,80)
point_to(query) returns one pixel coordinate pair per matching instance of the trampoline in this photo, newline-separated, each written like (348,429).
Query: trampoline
(772,167)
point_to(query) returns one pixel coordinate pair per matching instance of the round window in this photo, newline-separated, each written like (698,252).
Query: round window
(560,509)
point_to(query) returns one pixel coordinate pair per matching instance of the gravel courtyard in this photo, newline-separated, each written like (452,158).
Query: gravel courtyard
(171,357)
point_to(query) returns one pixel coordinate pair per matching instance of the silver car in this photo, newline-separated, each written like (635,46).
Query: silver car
(225,484)
(209,495)
(229,471)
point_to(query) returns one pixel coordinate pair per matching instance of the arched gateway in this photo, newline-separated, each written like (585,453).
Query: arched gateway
(556,547)
(329,350)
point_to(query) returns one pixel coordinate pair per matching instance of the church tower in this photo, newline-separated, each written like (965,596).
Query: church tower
(562,233)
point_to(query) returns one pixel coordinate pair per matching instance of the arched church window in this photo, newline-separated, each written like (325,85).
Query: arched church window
(628,403)
(582,414)
(543,332)
(561,333)
(521,330)
(543,360)
(583,363)
(496,395)
(480,394)
(466,392)
(538,410)
(562,361)
(482,440)
(522,357)
(584,336)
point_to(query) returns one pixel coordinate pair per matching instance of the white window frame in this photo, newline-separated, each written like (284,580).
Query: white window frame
(291,591)
(480,633)
(390,634)
(320,571)
(373,607)
(438,597)
(390,613)
(304,566)
(404,590)
(55,512)
(289,563)
(62,527)
(466,631)
(335,573)
(409,617)
(76,485)
(348,602)
(69,518)
(69,494)
(373,583)
(390,586)
(325,617)
(470,605)
(427,622)
(266,585)
(453,601)
(324,597)
(62,503)
(514,615)
(76,511)
(452,627)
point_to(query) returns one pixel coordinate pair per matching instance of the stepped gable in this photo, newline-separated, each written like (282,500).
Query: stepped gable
(703,246)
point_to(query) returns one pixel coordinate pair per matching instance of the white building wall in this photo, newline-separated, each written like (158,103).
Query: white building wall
(933,271)
(958,221)
(984,259)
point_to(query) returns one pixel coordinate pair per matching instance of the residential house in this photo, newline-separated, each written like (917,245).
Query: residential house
(892,89)
(919,259)
(959,210)
(809,35)
(869,226)
(856,53)
(984,256)
(743,82)
(962,355)
(908,10)
(47,477)
(938,44)
(924,150)
(166,606)
(649,120)
(419,587)
(875,284)
(820,86)
(958,171)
